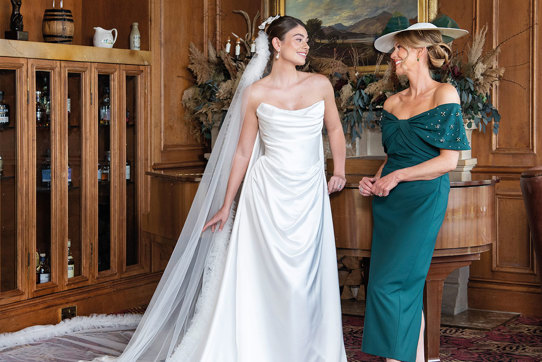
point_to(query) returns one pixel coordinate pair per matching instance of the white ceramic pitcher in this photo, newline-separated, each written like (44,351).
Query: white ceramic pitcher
(104,38)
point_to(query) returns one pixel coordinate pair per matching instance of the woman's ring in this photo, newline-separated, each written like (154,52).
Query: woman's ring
(379,194)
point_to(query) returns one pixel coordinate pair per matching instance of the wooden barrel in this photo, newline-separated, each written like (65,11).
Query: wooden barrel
(57,26)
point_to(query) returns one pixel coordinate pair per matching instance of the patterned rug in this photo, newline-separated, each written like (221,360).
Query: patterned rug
(517,340)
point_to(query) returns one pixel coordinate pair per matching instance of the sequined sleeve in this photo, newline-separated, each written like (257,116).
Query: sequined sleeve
(445,128)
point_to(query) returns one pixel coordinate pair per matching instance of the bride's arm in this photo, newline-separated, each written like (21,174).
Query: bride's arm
(336,138)
(239,167)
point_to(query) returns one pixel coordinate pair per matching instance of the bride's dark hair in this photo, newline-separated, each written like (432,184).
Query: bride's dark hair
(279,28)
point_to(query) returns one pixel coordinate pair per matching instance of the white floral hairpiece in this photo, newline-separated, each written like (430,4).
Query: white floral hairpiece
(268,21)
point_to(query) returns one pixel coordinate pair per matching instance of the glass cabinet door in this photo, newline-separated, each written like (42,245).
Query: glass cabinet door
(12,255)
(75,101)
(133,95)
(106,120)
(43,115)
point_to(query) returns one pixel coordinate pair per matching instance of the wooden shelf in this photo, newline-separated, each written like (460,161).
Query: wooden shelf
(75,53)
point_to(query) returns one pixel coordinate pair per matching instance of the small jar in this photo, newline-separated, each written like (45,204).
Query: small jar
(135,37)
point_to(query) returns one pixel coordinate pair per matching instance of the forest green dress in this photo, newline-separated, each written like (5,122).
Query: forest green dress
(406,224)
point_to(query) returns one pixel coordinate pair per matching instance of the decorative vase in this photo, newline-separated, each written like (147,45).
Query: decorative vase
(466,162)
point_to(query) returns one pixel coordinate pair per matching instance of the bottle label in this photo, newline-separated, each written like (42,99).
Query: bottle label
(136,39)
(45,277)
(46,175)
(4,119)
(71,271)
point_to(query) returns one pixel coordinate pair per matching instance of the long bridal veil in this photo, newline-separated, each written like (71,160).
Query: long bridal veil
(179,301)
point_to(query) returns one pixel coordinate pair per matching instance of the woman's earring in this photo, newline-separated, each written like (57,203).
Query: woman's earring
(417,59)
(278,55)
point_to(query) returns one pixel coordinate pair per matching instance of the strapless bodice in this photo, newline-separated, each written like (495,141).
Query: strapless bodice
(291,139)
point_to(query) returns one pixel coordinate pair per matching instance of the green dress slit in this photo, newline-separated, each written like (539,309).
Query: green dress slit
(406,225)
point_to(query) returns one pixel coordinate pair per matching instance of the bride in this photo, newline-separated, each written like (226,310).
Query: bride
(260,285)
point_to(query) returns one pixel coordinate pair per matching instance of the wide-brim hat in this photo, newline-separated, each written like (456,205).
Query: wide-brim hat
(386,42)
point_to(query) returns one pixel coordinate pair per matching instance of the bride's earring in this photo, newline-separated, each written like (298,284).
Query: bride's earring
(278,55)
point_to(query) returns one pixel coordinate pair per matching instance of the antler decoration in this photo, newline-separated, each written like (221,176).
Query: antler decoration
(250,28)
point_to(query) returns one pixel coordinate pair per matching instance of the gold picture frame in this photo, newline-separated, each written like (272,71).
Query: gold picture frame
(427,11)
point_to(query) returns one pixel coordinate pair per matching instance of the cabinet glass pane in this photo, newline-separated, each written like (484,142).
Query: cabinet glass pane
(132,237)
(8,181)
(44,176)
(104,172)
(74,104)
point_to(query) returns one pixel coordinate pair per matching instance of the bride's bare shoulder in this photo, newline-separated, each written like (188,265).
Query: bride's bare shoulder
(315,78)
(255,93)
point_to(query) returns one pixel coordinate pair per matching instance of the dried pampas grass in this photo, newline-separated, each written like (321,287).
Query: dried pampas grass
(199,65)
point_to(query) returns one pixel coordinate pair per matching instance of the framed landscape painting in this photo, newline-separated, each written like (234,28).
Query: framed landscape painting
(346,29)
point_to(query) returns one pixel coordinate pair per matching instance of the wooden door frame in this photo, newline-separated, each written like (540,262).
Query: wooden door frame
(35,65)
(142,124)
(114,71)
(87,174)
(19,65)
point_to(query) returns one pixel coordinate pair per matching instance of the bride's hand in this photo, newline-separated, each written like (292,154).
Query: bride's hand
(335,183)
(219,219)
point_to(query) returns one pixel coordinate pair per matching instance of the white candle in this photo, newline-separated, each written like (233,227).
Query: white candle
(228,46)
(253,46)
(237,47)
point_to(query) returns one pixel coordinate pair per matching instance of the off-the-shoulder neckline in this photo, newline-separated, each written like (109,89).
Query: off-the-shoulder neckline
(421,113)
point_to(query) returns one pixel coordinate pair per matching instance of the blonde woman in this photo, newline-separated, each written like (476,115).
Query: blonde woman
(422,133)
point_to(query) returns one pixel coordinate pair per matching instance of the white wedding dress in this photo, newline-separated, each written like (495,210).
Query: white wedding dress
(278,297)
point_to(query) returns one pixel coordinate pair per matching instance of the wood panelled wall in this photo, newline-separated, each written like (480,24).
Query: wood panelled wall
(506,278)
(176,24)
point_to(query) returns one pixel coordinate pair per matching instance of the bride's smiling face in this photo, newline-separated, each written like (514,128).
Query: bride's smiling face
(294,47)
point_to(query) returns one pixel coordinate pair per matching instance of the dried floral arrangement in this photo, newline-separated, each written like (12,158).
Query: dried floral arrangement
(359,97)
(474,80)
(217,75)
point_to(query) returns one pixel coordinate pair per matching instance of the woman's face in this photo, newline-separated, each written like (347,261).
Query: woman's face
(294,48)
(405,58)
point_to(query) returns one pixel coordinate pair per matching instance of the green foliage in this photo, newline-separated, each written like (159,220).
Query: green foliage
(362,113)
(476,107)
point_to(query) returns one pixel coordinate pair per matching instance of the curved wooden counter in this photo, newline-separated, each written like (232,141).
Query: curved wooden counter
(468,225)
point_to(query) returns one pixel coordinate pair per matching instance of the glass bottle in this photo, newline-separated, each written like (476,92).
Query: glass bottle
(46,103)
(105,167)
(40,112)
(99,171)
(135,37)
(105,108)
(4,112)
(69,108)
(46,170)
(69,175)
(128,171)
(44,271)
(71,261)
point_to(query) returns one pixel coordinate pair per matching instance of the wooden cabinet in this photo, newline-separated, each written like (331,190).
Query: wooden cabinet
(73,156)
(13,193)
